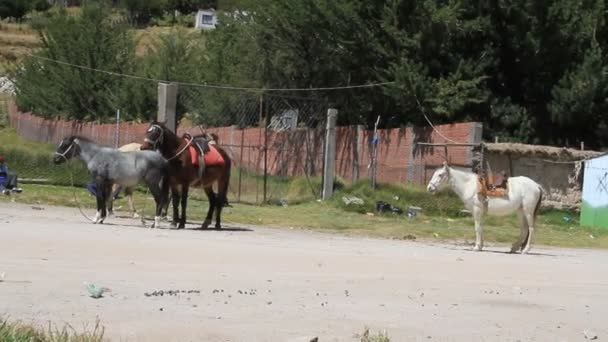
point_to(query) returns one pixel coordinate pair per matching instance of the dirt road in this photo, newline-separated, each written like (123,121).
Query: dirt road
(282,285)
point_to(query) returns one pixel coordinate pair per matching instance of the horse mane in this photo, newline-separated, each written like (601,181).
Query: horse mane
(83,138)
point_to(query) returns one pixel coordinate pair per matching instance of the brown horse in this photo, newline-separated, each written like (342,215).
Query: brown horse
(184,171)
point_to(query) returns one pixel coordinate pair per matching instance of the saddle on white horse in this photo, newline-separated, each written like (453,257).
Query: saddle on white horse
(490,185)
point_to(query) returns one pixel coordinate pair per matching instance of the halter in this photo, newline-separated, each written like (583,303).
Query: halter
(183,149)
(158,140)
(447,176)
(66,151)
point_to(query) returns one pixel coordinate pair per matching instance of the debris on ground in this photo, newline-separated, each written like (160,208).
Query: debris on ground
(170,292)
(590,335)
(413,211)
(95,291)
(404,237)
(348,200)
(385,207)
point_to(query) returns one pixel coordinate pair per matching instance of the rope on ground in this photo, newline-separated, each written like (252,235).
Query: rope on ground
(67,164)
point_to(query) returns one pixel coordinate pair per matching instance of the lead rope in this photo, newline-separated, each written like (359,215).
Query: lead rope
(67,164)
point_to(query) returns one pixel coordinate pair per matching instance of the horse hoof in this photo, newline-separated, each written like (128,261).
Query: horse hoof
(136,215)
(181,226)
(205,226)
(477,248)
(173,225)
(218,226)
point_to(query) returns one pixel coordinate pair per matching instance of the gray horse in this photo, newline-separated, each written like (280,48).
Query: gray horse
(110,166)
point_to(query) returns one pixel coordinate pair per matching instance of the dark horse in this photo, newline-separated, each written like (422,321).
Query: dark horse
(183,172)
(110,166)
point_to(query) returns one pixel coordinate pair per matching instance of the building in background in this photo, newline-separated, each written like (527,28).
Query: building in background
(205,19)
(555,168)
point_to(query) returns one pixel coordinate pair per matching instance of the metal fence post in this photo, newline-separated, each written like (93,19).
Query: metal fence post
(357,151)
(375,154)
(117,128)
(330,153)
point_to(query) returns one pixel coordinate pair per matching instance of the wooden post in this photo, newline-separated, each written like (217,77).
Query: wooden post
(167,104)
(330,153)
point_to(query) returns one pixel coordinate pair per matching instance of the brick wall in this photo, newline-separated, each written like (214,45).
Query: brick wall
(291,153)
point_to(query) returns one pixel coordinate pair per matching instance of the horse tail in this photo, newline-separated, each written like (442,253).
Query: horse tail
(536,209)
(224,180)
(540,198)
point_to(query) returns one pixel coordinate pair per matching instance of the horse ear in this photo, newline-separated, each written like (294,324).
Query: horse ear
(445,163)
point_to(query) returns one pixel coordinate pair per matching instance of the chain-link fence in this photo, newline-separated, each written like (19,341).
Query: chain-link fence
(275,141)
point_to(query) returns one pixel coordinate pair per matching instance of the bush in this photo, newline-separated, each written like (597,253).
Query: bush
(140,12)
(53,90)
(41,5)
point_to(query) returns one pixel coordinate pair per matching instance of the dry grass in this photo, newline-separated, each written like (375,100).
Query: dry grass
(14,331)
(146,37)
(16,40)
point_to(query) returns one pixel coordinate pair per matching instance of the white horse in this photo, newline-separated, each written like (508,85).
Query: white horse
(524,197)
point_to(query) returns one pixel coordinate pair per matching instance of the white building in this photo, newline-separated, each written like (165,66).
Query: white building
(205,19)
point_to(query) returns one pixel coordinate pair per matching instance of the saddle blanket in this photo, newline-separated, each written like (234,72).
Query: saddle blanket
(212,158)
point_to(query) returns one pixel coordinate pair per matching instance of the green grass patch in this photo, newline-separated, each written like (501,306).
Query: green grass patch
(444,203)
(14,331)
(33,160)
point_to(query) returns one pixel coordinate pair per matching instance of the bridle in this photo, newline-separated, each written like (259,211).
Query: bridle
(444,177)
(63,155)
(160,138)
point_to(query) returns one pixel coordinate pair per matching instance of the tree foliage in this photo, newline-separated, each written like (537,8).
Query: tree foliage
(17,9)
(56,89)
(530,71)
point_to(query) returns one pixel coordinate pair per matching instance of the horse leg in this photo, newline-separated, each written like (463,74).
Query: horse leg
(175,200)
(528,244)
(221,199)
(478,216)
(100,202)
(104,191)
(129,194)
(110,204)
(165,210)
(212,201)
(523,224)
(184,203)
(158,199)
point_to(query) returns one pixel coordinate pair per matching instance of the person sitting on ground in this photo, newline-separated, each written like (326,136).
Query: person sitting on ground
(8,181)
